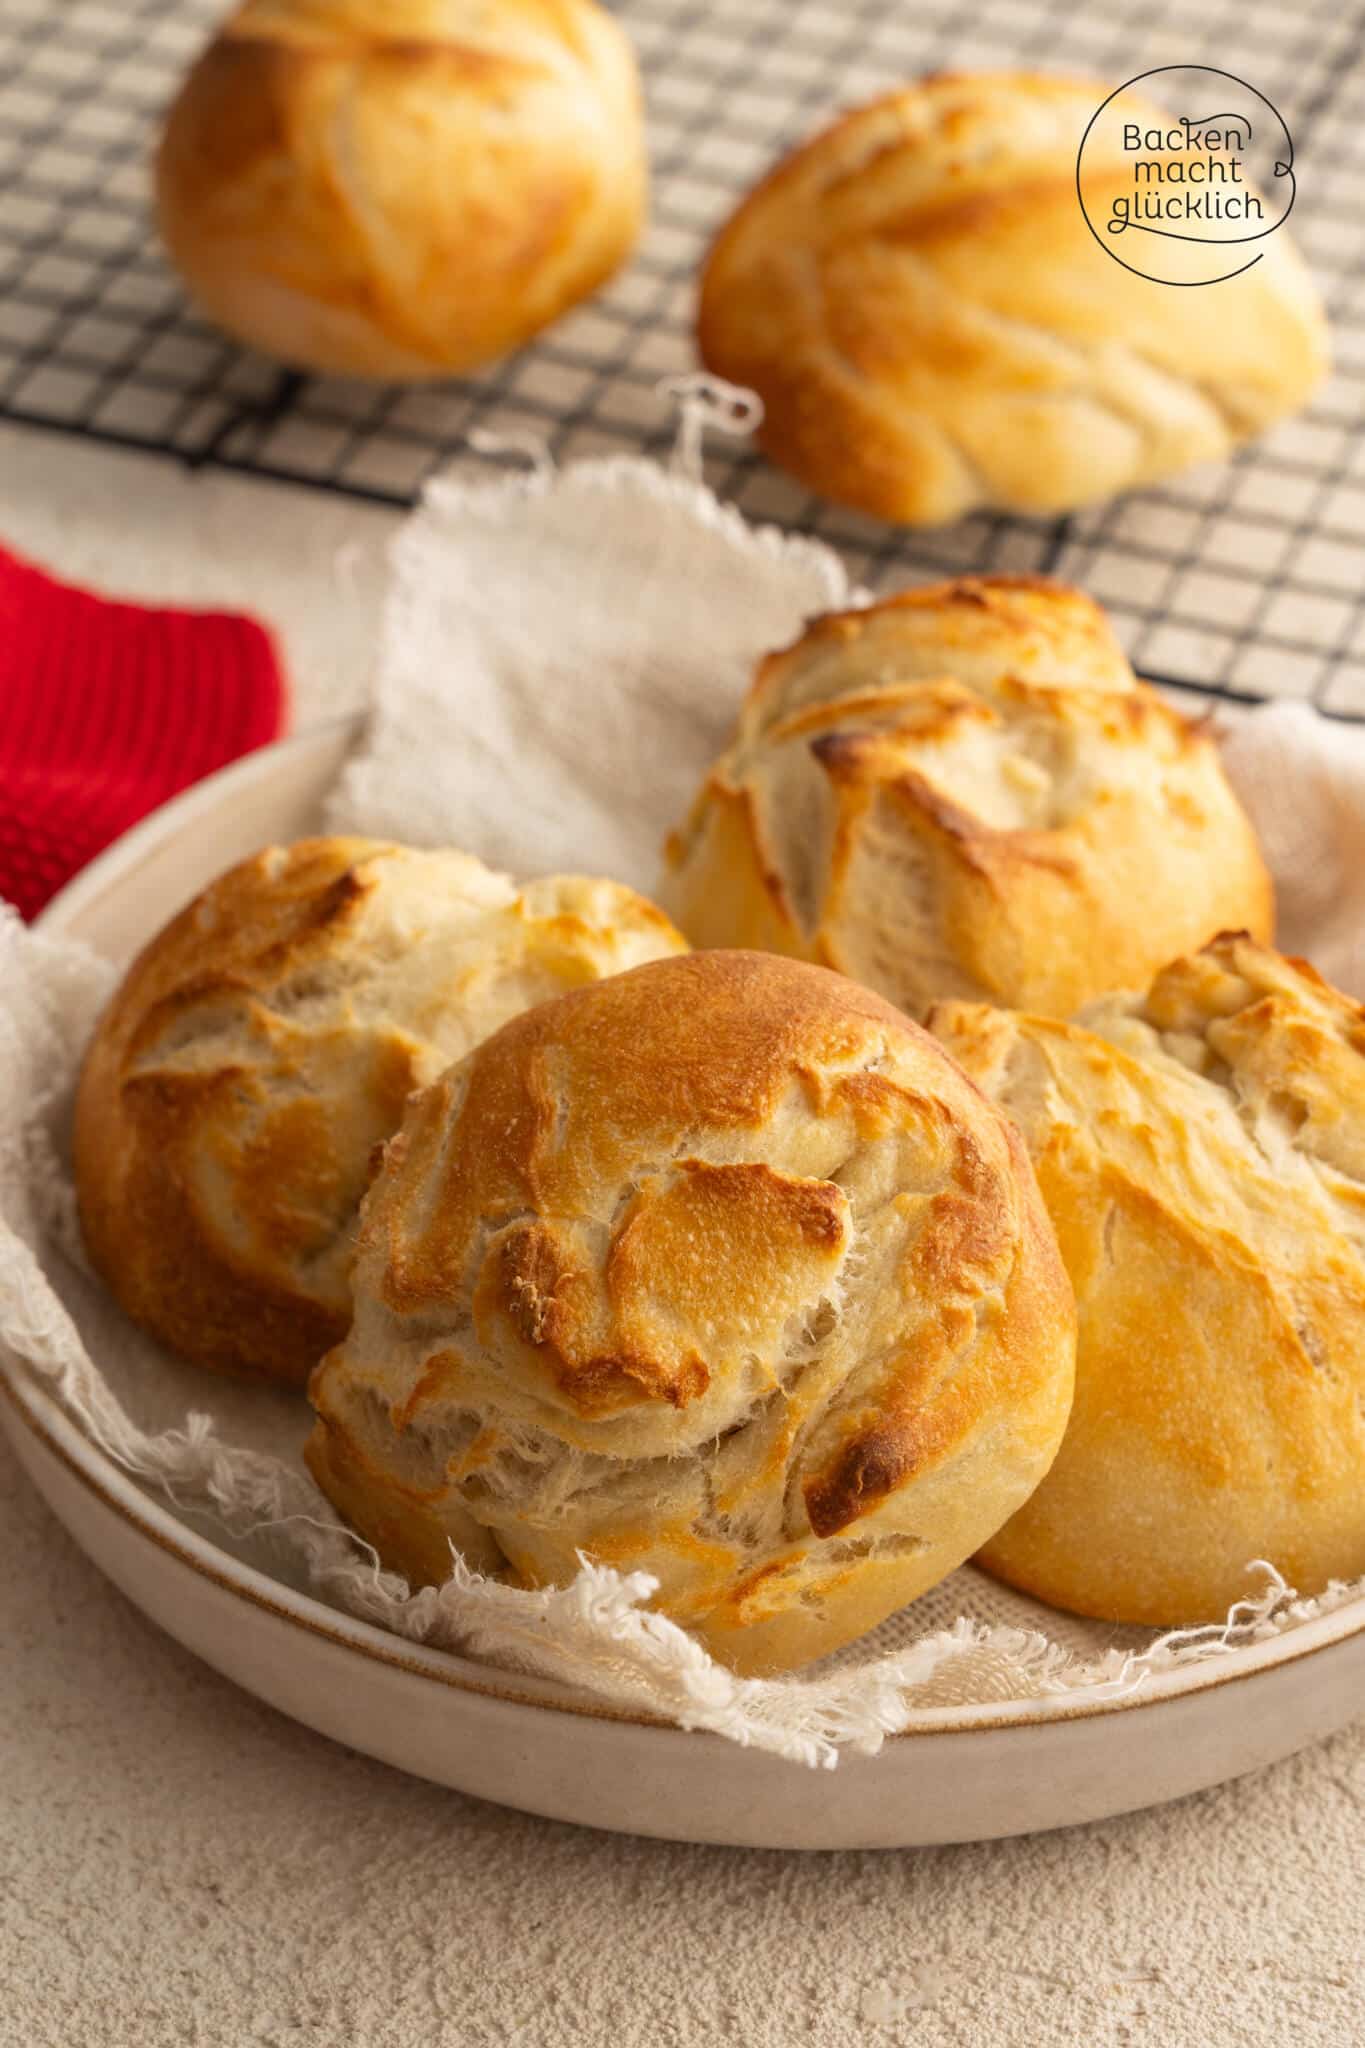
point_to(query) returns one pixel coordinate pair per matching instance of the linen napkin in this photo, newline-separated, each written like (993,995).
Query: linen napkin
(108,709)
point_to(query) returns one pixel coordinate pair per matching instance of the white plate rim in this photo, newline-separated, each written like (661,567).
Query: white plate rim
(100,1474)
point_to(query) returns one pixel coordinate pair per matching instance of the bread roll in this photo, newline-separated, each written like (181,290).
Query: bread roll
(718,1270)
(402,188)
(932,327)
(1201,1149)
(262,1047)
(965,791)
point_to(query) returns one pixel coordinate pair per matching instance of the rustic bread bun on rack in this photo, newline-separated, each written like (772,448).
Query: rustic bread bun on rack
(263,1046)
(402,188)
(718,1270)
(965,791)
(1201,1149)
(932,327)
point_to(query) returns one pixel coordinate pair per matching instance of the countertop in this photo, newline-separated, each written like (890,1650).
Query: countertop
(179,1865)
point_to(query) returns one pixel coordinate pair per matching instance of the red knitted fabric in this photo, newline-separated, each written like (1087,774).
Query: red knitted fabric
(106,710)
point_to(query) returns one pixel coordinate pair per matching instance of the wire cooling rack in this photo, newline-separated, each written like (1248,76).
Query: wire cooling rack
(1245,580)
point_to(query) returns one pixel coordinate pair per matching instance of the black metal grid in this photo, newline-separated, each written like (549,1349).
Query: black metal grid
(1244,581)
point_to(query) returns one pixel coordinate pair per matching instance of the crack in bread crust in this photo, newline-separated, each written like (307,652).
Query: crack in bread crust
(738,1298)
(259,1053)
(1201,1149)
(962,791)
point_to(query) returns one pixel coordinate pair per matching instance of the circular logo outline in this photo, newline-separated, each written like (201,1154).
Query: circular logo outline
(1285,169)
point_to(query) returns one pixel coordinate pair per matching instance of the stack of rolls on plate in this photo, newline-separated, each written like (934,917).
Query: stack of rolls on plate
(968,1192)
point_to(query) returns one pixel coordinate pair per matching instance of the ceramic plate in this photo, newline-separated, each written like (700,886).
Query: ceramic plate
(958,1774)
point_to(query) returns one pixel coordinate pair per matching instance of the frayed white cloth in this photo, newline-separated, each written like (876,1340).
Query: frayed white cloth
(563,654)
(1302,779)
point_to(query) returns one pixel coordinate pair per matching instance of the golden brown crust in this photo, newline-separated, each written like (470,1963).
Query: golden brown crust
(917,298)
(715,1270)
(402,190)
(964,790)
(1201,1150)
(263,1046)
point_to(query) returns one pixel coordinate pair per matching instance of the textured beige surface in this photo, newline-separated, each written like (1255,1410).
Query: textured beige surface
(182,1868)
